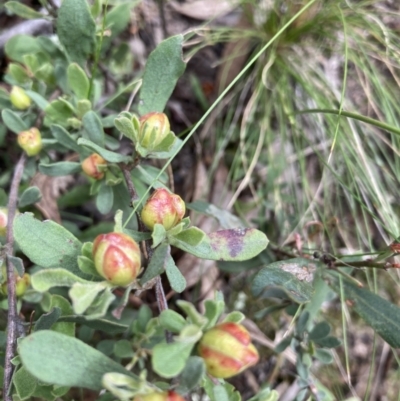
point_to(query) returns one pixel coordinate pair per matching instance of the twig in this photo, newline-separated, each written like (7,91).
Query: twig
(12,317)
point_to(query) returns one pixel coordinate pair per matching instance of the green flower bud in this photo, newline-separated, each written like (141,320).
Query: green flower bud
(163,208)
(227,350)
(30,141)
(94,166)
(19,99)
(3,220)
(164,396)
(154,128)
(116,258)
(21,285)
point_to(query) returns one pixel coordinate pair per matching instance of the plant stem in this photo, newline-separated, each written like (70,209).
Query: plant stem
(12,316)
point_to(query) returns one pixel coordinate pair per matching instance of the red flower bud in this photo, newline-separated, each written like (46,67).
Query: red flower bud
(30,141)
(116,258)
(91,166)
(227,350)
(163,208)
(154,128)
(3,220)
(164,396)
(19,99)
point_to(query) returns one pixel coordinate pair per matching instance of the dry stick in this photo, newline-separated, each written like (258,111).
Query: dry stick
(12,317)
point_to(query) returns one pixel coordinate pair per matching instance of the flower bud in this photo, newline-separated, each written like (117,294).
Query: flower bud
(93,166)
(164,396)
(21,285)
(227,350)
(30,141)
(19,99)
(116,258)
(154,128)
(3,220)
(163,208)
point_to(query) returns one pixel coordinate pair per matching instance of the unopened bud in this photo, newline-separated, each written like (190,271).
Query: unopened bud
(154,128)
(227,350)
(3,220)
(164,396)
(19,99)
(30,141)
(21,285)
(116,258)
(163,208)
(94,166)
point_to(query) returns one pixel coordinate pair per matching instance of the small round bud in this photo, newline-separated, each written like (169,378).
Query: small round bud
(93,166)
(3,220)
(163,208)
(116,258)
(164,396)
(227,350)
(19,99)
(21,285)
(154,128)
(30,141)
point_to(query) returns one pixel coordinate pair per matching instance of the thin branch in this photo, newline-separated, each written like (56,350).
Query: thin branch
(12,326)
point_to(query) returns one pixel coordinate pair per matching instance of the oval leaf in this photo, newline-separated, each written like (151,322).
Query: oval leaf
(13,121)
(229,245)
(60,168)
(299,291)
(30,196)
(43,280)
(104,153)
(78,81)
(94,128)
(175,277)
(65,361)
(47,243)
(163,68)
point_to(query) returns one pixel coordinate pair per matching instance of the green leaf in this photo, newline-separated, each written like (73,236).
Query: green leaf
(172,321)
(175,277)
(107,326)
(328,342)
(214,309)
(58,112)
(324,356)
(163,68)
(64,138)
(321,330)
(13,121)
(18,264)
(45,279)
(228,245)
(19,45)
(25,384)
(48,319)
(158,235)
(86,265)
(299,291)
(105,199)
(157,263)
(192,236)
(105,154)
(22,10)
(235,317)
(83,295)
(194,316)
(30,196)
(380,314)
(39,100)
(78,81)
(94,128)
(65,361)
(123,349)
(192,374)
(76,29)
(60,168)
(101,304)
(18,73)
(59,302)
(125,125)
(169,360)
(47,243)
